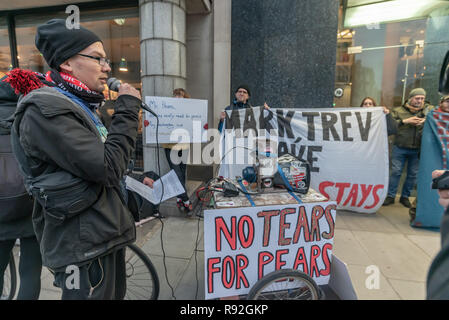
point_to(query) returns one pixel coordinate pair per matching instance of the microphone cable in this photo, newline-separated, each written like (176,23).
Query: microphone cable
(196,252)
(114,85)
(160,215)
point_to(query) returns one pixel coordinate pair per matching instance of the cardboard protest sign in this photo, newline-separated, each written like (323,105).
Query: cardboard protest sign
(241,245)
(347,149)
(180,120)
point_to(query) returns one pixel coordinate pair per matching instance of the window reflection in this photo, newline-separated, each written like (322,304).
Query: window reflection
(387,60)
(5,53)
(117,28)
(119,31)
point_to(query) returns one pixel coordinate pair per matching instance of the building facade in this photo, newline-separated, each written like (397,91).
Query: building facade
(292,53)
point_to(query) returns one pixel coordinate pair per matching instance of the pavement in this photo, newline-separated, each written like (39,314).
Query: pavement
(382,241)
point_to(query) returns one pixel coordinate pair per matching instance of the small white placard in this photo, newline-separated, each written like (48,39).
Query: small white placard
(180,120)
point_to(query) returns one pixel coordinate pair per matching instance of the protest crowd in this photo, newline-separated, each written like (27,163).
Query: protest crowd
(71,151)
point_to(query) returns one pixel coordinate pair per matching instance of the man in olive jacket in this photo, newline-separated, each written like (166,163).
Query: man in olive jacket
(410,118)
(74,166)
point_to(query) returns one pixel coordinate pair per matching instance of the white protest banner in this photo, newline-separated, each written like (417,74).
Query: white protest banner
(347,149)
(241,245)
(180,120)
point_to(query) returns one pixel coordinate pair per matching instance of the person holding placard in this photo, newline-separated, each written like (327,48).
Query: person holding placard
(241,101)
(392,127)
(181,150)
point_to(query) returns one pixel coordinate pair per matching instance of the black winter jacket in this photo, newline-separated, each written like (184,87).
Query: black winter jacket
(437,276)
(57,135)
(409,136)
(16,209)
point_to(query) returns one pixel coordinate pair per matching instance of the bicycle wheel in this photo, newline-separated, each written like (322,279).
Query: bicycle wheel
(9,280)
(142,282)
(285,284)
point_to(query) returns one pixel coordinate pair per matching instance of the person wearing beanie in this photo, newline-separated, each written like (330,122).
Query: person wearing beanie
(410,118)
(241,101)
(444,104)
(73,165)
(417,92)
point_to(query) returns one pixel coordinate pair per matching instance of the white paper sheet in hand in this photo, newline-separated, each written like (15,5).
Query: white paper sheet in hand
(172,188)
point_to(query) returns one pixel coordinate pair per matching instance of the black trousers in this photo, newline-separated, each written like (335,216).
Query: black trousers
(101,279)
(180,169)
(30,266)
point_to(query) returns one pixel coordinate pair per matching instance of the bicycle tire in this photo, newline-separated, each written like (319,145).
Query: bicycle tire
(9,280)
(274,286)
(136,260)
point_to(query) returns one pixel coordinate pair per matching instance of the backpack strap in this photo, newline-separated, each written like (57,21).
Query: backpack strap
(20,153)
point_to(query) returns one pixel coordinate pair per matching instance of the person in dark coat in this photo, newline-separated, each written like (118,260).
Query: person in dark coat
(410,118)
(437,284)
(241,101)
(73,165)
(16,208)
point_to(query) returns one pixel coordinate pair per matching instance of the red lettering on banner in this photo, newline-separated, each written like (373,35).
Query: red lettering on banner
(322,188)
(376,197)
(232,271)
(262,261)
(279,261)
(326,259)
(317,213)
(352,195)
(267,215)
(301,260)
(341,189)
(302,224)
(240,274)
(246,241)
(231,237)
(283,225)
(228,268)
(330,222)
(315,253)
(365,193)
(210,273)
(365,190)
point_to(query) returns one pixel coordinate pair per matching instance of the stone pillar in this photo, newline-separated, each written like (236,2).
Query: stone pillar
(222,57)
(285,50)
(435,48)
(163,58)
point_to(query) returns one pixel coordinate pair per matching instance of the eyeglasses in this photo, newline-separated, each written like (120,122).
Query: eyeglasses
(242,91)
(102,61)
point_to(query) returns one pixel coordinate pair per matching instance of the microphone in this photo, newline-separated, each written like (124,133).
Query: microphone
(114,85)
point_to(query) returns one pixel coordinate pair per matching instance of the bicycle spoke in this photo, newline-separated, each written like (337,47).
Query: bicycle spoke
(285,285)
(128,295)
(136,293)
(150,290)
(142,282)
